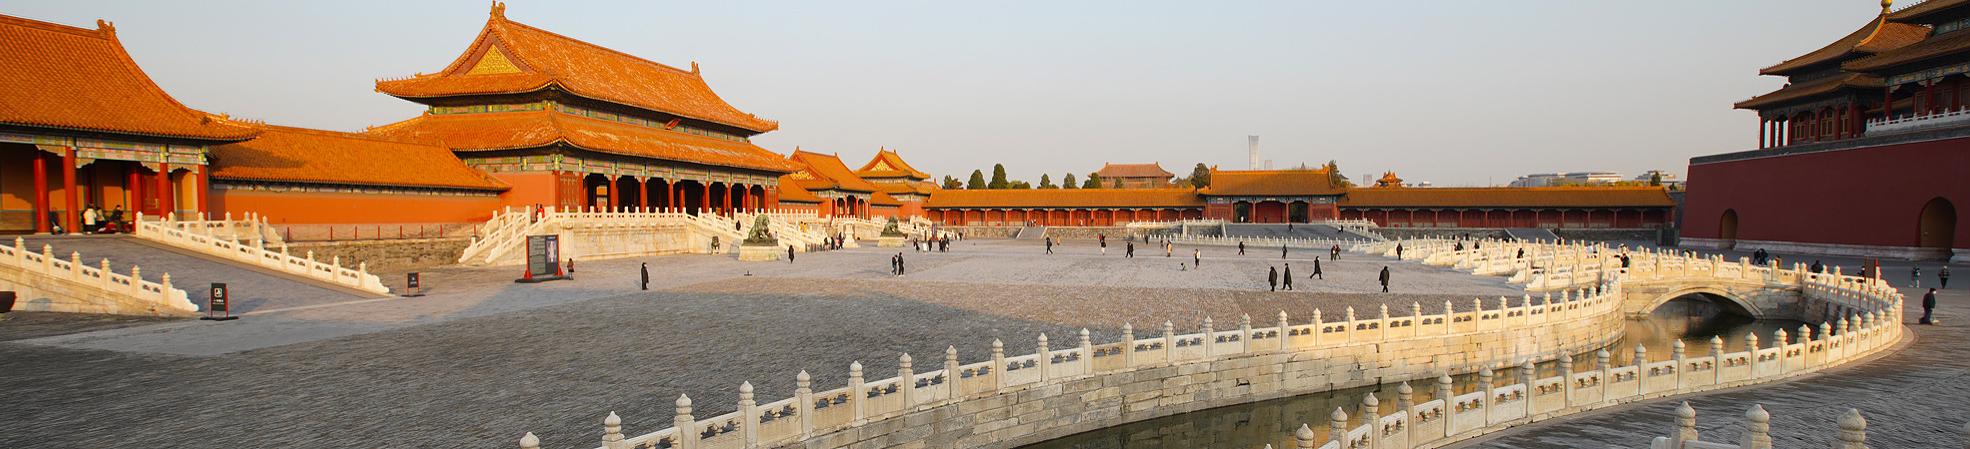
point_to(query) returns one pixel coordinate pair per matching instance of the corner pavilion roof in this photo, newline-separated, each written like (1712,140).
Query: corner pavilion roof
(284,154)
(1809,89)
(1149,170)
(1583,196)
(826,172)
(532,129)
(883,199)
(888,164)
(1063,198)
(509,58)
(1879,35)
(1270,183)
(62,77)
(790,192)
(1946,45)
(1921,12)
(906,187)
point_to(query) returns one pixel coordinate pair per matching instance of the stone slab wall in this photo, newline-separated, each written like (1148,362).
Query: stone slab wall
(41,292)
(389,256)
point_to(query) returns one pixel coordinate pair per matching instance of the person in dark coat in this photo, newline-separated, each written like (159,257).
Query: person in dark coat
(1398,250)
(1316,270)
(899,264)
(1272,278)
(1049,245)
(1241,247)
(1928,306)
(1817,267)
(1286,279)
(1334,254)
(1943,277)
(896,265)
(1521,253)
(1385,279)
(646,276)
(789,253)
(1282,251)
(1130,254)
(1197,258)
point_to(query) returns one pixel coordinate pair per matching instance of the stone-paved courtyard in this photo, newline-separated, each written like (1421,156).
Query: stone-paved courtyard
(481,359)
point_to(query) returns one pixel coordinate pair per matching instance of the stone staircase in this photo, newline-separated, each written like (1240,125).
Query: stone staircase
(1534,234)
(1031,233)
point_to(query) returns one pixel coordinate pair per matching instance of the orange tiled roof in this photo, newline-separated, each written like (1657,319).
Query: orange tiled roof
(1809,89)
(1877,36)
(883,199)
(530,129)
(1920,11)
(1149,170)
(64,77)
(826,172)
(1270,183)
(509,57)
(1645,196)
(915,187)
(1063,198)
(1949,44)
(314,156)
(887,164)
(790,192)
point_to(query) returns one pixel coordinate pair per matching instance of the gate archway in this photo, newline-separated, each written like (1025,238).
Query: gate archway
(1937,228)
(1727,228)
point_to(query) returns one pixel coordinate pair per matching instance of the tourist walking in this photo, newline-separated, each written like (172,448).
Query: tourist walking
(1241,247)
(1335,253)
(1521,253)
(1943,277)
(1272,278)
(1282,251)
(1286,278)
(895,265)
(1398,251)
(1049,245)
(646,277)
(899,264)
(1130,250)
(1385,279)
(789,253)
(1928,306)
(1104,246)
(1817,267)
(1197,258)
(1316,271)
(1169,249)
(1915,277)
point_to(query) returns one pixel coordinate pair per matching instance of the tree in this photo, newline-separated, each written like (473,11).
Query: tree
(1334,175)
(1655,179)
(951,182)
(977,180)
(1068,182)
(998,177)
(1200,176)
(1020,185)
(1117,184)
(1047,183)
(1093,182)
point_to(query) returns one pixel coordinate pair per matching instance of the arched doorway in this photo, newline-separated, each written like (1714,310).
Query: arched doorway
(1727,229)
(595,192)
(1938,225)
(1241,212)
(1296,212)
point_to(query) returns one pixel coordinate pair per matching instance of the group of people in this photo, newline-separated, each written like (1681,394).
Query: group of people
(936,244)
(896,264)
(97,221)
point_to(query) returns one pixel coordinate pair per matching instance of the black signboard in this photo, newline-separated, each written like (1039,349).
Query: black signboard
(411,285)
(218,304)
(543,259)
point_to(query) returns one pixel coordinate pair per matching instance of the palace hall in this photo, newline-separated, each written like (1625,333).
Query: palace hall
(1872,127)
(525,117)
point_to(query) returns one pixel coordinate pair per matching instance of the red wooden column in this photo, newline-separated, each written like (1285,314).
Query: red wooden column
(1859,125)
(1762,124)
(198,187)
(642,193)
(704,201)
(614,203)
(40,191)
(133,189)
(70,194)
(166,197)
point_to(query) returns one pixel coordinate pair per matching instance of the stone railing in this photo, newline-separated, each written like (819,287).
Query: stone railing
(1010,400)
(1262,243)
(1850,432)
(193,239)
(252,229)
(45,283)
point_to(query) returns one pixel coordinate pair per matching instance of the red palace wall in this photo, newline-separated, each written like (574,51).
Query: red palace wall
(345,208)
(1868,197)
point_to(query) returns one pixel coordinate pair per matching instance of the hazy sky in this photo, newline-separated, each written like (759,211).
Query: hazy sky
(1454,92)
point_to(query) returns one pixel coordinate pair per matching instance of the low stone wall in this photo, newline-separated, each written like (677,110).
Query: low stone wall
(1445,233)
(1610,235)
(984,232)
(389,256)
(1831,250)
(42,282)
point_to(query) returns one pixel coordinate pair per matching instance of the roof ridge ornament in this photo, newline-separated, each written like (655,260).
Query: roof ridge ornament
(106,27)
(499,10)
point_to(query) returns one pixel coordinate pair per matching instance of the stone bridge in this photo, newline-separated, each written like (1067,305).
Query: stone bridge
(1009,400)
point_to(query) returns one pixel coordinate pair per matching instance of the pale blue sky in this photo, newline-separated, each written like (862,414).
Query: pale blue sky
(1455,92)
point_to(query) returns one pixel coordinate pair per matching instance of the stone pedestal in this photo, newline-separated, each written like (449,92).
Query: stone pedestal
(849,242)
(761,253)
(889,242)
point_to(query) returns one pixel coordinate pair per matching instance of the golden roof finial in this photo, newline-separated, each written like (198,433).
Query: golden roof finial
(1886,5)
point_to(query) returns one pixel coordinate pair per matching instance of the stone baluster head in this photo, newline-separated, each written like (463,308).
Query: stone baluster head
(1685,424)
(1043,343)
(1169,330)
(1641,354)
(529,441)
(1717,347)
(1337,426)
(1757,429)
(1853,431)
(1303,438)
(1751,341)
(1207,328)
(1128,332)
(1602,359)
(611,430)
(1778,338)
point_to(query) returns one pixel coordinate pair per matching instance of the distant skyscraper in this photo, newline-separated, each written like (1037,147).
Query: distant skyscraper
(1252,144)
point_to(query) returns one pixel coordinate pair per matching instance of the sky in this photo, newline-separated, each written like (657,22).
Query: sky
(1451,92)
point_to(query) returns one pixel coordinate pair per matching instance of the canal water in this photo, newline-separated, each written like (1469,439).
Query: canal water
(1252,426)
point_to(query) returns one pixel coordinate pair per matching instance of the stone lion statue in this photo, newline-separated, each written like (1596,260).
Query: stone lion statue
(890,229)
(760,235)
